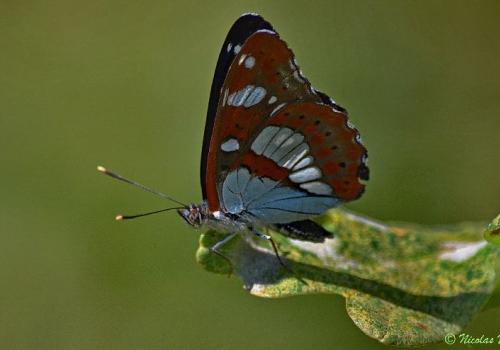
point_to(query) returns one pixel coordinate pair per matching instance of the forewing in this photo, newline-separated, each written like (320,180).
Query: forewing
(241,30)
(262,79)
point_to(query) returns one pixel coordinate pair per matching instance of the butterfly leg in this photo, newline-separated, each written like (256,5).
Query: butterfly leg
(273,244)
(275,248)
(215,249)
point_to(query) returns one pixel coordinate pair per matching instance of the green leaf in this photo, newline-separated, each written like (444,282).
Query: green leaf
(404,284)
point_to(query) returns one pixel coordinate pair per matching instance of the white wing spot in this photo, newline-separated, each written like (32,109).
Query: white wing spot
(237,49)
(295,156)
(276,142)
(225,98)
(255,97)
(230,145)
(317,187)
(229,47)
(242,58)
(272,99)
(262,140)
(247,97)
(277,108)
(305,175)
(303,163)
(286,149)
(250,62)
(230,99)
(242,95)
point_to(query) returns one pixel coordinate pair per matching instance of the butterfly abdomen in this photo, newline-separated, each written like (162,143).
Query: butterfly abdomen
(305,230)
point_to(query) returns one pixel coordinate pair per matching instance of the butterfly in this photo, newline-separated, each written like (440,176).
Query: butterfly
(276,151)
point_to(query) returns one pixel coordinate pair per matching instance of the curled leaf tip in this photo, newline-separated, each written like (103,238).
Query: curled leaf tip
(492,232)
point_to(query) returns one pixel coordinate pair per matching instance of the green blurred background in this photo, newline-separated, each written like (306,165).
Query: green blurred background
(126,84)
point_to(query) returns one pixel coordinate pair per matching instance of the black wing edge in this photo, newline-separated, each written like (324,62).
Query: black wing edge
(305,230)
(363,172)
(241,30)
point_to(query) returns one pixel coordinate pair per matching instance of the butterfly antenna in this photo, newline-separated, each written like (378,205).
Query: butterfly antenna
(142,187)
(128,217)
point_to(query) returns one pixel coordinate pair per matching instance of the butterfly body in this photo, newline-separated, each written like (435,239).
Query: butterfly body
(199,216)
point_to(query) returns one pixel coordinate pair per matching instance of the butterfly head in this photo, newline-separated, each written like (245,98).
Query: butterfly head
(194,215)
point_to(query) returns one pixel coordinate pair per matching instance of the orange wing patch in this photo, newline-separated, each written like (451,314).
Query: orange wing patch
(336,155)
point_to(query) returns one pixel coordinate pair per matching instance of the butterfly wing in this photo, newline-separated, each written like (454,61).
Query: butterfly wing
(261,79)
(241,30)
(279,149)
(304,160)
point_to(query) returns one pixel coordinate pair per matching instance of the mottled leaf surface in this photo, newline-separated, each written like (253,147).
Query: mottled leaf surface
(404,284)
